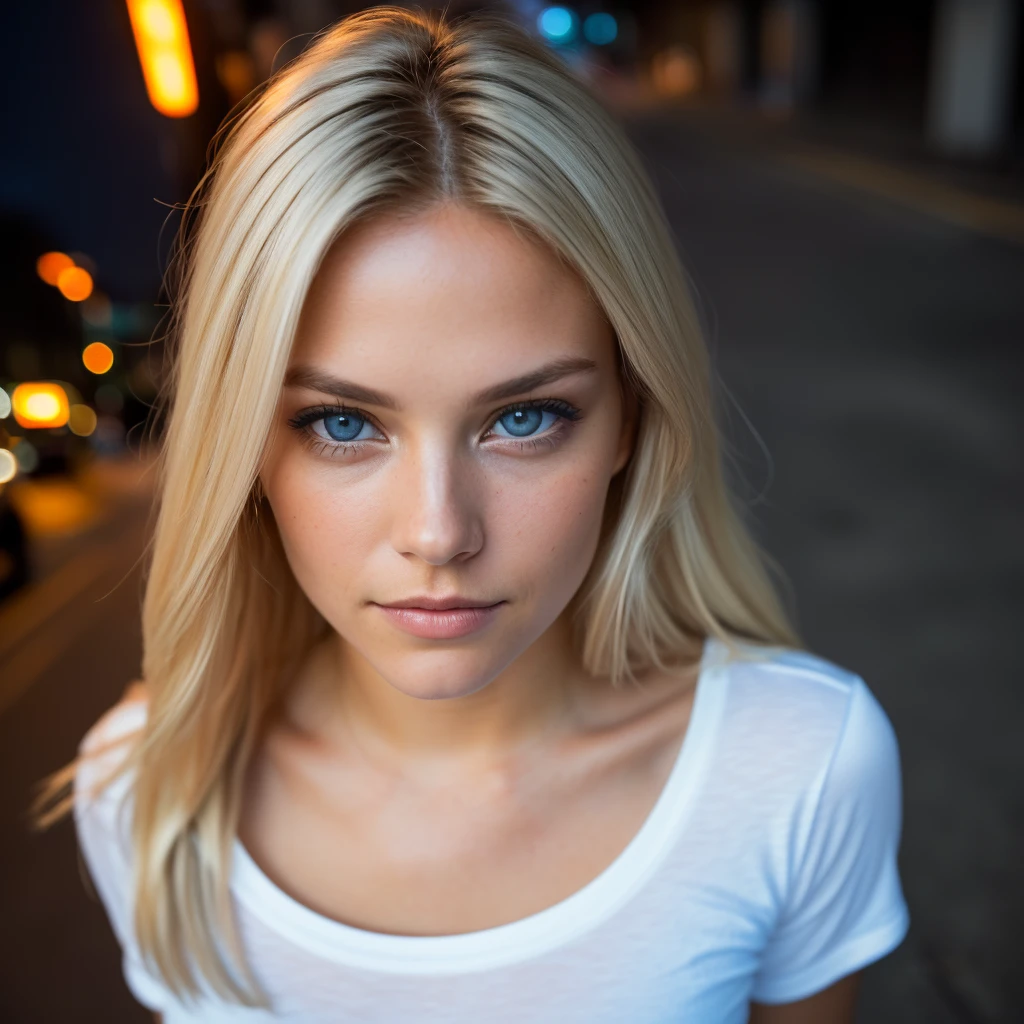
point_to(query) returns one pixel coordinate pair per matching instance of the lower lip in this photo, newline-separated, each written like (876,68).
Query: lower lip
(448,624)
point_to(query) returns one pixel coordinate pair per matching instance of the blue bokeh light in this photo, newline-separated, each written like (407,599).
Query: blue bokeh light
(557,24)
(600,28)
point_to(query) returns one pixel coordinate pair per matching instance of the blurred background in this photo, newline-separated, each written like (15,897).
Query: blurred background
(844,181)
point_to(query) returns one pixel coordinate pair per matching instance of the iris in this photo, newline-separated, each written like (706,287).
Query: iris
(344,426)
(524,422)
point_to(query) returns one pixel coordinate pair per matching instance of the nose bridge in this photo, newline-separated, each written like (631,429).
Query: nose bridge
(436,516)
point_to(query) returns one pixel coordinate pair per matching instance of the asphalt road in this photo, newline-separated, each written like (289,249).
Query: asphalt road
(870,357)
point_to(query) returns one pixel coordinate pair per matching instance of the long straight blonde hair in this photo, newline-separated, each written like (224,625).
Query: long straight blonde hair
(394,110)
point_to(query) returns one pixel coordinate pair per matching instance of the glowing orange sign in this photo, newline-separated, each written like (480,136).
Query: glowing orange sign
(161,37)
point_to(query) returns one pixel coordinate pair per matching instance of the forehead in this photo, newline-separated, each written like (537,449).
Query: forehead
(448,291)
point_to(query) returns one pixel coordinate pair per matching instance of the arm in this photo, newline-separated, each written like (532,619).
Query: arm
(833,1005)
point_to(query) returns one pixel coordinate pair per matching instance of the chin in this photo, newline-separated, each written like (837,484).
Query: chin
(441,675)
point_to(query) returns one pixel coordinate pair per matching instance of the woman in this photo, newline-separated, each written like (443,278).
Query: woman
(467,695)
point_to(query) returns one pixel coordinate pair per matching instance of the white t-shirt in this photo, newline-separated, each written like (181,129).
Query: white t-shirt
(765,871)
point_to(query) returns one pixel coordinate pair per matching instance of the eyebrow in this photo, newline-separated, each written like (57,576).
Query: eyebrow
(326,383)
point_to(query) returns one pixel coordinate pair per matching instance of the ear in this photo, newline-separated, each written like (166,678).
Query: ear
(630,426)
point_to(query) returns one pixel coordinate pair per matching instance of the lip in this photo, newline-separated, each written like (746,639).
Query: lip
(440,618)
(437,604)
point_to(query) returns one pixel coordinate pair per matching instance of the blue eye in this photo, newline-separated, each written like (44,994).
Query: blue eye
(345,426)
(525,422)
(344,431)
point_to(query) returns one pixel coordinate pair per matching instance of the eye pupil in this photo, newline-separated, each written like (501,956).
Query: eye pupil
(343,426)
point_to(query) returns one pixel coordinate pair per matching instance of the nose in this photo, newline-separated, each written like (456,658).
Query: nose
(436,516)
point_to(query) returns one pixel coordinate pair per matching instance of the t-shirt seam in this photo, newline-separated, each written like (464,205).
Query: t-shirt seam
(818,675)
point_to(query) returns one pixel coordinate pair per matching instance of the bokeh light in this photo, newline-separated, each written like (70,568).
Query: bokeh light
(236,71)
(161,36)
(5,404)
(40,404)
(81,420)
(557,24)
(98,357)
(50,265)
(26,456)
(600,28)
(8,465)
(97,310)
(75,283)
(675,71)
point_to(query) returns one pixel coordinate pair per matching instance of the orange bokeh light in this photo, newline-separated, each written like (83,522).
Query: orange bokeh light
(98,357)
(161,37)
(75,283)
(40,404)
(50,265)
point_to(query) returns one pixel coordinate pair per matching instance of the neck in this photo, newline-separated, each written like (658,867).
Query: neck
(537,696)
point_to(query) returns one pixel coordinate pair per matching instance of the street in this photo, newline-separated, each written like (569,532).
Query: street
(870,353)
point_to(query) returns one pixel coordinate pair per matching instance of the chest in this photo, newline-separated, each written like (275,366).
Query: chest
(446,853)
(668,953)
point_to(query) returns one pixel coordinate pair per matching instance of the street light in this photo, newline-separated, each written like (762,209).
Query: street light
(161,37)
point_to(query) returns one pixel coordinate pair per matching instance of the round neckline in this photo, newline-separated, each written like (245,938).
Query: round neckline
(526,937)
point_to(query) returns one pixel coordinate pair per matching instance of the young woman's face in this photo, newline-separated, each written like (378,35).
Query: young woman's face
(448,429)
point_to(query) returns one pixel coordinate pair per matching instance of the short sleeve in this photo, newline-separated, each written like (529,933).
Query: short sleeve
(101,826)
(844,907)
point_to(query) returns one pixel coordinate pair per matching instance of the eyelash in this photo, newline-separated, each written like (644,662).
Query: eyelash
(567,414)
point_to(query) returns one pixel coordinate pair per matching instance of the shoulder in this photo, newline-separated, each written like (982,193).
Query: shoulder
(792,688)
(809,718)
(100,781)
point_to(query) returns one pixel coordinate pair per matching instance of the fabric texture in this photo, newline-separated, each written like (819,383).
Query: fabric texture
(766,871)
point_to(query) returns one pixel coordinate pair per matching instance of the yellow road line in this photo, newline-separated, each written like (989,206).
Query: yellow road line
(978,213)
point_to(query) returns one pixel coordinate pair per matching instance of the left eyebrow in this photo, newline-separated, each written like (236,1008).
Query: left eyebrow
(316,380)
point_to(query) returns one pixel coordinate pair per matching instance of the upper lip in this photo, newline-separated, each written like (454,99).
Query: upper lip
(436,604)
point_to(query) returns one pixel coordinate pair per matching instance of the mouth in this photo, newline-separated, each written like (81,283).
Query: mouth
(440,604)
(445,618)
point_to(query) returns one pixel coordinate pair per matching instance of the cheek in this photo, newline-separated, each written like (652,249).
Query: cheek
(326,530)
(546,529)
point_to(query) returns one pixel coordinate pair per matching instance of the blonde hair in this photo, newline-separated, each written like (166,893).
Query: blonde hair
(394,110)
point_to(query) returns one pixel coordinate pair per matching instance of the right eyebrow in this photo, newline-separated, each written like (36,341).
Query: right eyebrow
(327,384)
(345,390)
